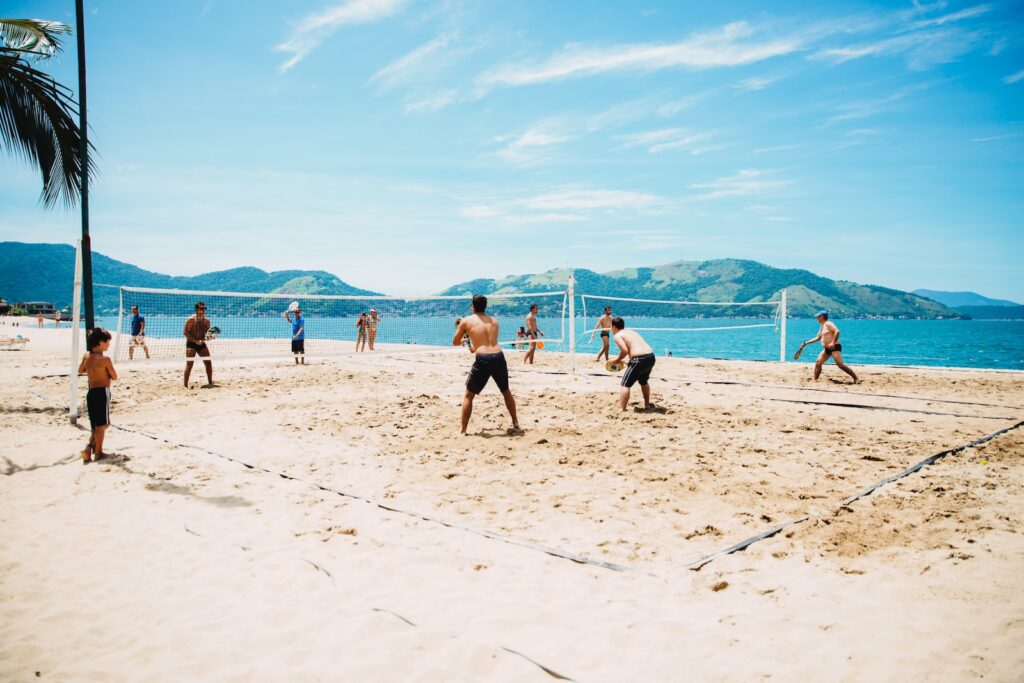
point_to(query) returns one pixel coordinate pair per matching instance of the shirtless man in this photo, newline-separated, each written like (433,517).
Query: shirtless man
(604,324)
(829,336)
(531,333)
(482,331)
(641,362)
(195,332)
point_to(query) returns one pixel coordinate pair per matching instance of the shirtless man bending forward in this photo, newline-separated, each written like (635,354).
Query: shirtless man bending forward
(482,330)
(641,362)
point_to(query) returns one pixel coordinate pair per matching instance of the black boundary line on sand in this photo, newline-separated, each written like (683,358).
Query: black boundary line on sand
(931,459)
(886,408)
(695,566)
(554,552)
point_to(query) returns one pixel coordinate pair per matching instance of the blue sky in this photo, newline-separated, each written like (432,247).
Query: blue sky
(409,144)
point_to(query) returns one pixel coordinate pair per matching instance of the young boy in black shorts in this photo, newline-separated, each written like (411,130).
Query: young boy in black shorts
(101,373)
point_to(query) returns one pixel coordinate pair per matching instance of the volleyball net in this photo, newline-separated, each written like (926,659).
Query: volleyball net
(248,325)
(719,329)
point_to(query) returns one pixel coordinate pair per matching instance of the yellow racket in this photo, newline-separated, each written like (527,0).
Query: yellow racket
(612,366)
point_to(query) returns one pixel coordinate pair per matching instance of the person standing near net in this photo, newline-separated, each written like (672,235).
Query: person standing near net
(196,329)
(641,362)
(298,332)
(361,332)
(828,333)
(138,327)
(532,331)
(372,322)
(604,323)
(489,362)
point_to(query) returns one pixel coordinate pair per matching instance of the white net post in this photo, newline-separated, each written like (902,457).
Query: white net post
(120,315)
(572,323)
(782,327)
(76,334)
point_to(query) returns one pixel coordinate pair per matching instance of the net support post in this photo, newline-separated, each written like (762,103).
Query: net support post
(76,334)
(783,314)
(572,323)
(120,314)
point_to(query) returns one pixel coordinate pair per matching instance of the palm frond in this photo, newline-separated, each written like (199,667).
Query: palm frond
(36,36)
(37,122)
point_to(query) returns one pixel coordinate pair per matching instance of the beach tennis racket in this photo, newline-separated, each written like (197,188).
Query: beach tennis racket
(212,334)
(798,352)
(540,345)
(612,366)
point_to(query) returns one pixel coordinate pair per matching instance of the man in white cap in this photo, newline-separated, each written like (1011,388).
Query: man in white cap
(829,336)
(371,326)
(298,332)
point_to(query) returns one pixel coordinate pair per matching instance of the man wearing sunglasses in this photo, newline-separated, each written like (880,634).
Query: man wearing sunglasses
(196,329)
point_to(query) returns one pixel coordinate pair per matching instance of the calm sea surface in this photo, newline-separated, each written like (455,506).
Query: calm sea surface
(954,343)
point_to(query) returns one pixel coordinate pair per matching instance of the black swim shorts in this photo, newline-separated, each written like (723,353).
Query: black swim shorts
(98,402)
(638,370)
(486,366)
(298,346)
(837,347)
(198,348)
(605,333)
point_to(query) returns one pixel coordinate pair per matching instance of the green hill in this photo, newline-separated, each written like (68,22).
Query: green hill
(725,280)
(45,272)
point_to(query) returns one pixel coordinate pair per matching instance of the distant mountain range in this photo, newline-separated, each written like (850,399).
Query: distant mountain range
(959,300)
(727,280)
(993,312)
(44,272)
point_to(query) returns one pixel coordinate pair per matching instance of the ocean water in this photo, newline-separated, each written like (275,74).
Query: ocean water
(950,343)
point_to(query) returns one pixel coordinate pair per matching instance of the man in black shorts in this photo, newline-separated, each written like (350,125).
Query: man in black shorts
(196,329)
(482,331)
(641,362)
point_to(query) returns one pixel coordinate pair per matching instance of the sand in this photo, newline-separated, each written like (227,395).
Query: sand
(328,523)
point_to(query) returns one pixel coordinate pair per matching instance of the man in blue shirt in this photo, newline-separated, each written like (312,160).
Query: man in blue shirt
(298,333)
(138,333)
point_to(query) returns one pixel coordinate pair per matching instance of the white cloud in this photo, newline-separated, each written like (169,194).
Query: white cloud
(479,212)
(993,138)
(753,84)
(730,45)
(669,139)
(313,29)
(863,109)
(592,200)
(431,102)
(967,13)
(747,183)
(1013,78)
(532,145)
(411,66)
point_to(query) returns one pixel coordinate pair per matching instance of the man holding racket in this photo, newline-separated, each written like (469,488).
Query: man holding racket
(641,362)
(829,336)
(197,328)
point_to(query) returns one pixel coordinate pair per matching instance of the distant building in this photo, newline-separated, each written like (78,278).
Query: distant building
(36,307)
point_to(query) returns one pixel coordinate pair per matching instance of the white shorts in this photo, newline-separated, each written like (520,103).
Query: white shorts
(139,340)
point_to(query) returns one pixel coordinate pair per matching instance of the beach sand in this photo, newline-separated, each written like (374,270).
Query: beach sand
(327,522)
